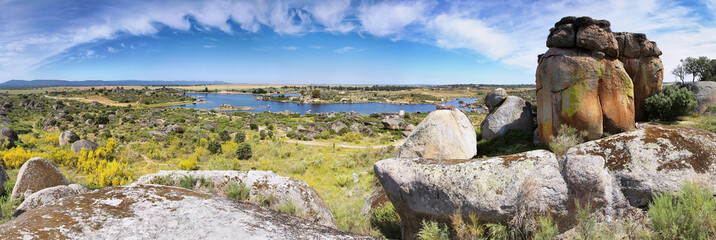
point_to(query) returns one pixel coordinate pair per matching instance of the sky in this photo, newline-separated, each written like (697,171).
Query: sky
(321,42)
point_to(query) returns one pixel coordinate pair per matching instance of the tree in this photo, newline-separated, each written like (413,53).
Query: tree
(697,67)
(316,93)
(670,103)
(679,72)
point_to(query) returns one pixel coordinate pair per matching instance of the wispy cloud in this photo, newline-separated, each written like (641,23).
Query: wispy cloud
(209,46)
(389,18)
(290,48)
(112,50)
(316,47)
(348,49)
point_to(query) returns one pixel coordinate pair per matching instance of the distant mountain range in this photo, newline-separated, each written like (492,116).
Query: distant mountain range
(64,83)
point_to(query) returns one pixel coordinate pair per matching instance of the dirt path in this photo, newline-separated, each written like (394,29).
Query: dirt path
(326,144)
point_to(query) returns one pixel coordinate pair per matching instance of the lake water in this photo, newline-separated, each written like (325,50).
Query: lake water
(214,100)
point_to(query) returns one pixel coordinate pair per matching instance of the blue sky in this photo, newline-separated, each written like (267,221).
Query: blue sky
(336,41)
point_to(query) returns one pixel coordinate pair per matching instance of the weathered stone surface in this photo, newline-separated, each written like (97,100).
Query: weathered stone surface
(173,128)
(513,114)
(84,144)
(3,178)
(8,137)
(37,174)
(68,137)
(377,198)
(160,212)
(443,134)
(395,122)
(705,93)
(48,195)
(263,184)
(597,38)
(495,98)
(563,35)
(641,61)
(492,188)
(616,97)
(336,126)
(633,166)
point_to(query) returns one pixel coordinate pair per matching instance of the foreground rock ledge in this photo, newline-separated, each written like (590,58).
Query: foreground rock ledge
(492,188)
(263,184)
(160,212)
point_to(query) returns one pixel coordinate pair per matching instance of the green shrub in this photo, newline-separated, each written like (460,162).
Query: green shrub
(387,221)
(187,181)
(262,134)
(237,191)
(343,131)
(204,182)
(586,226)
(224,135)
(240,137)
(353,137)
(566,138)
(687,214)
(289,207)
(546,228)
(512,142)
(343,180)
(243,151)
(214,147)
(669,104)
(253,126)
(432,230)
(165,180)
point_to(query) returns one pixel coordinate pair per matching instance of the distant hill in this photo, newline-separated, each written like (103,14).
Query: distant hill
(14,84)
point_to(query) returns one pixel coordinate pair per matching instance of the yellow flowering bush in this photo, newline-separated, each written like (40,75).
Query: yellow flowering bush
(110,173)
(15,157)
(191,163)
(52,138)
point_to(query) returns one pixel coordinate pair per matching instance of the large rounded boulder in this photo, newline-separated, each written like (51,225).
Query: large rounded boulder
(263,184)
(513,114)
(445,133)
(641,61)
(47,195)
(493,188)
(68,137)
(705,93)
(87,145)
(37,174)
(495,97)
(627,169)
(160,212)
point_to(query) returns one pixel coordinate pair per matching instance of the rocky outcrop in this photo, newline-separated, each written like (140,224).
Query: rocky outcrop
(493,188)
(47,195)
(8,137)
(84,144)
(68,137)
(513,113)
(627,169)
(264,184)
(445,133)
(705,93)
(37,174)
(173,129)
(160,212)
(585,86)
(395,122)
(494,98)
(641,61)
(336,126)
(377,198)
(3,178)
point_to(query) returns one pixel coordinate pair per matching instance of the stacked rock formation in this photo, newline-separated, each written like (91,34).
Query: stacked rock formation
(582,82)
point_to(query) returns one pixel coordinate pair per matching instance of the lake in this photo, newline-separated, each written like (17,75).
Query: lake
(214,100)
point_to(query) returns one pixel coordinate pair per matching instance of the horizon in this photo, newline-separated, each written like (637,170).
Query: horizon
(331,42)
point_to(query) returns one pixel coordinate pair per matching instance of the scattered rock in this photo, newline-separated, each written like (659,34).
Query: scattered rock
(84,144)
(627,169)
(705,93)
(495,98)
(395,122)
(8,137)
(492,188)
(264,184)
(443,134)
(68,137)
(354,178)
(173,128)
(3,178)
(376,199)
(37,174)
(336,126)
(513,114)
(150,209)
(47,195)
(209,125)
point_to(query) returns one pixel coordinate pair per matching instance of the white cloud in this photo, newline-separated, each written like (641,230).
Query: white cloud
(316,47)
(111,49)
(331,15)
(349,49)
(452,31)
(389,18)
(290,48)
(209,46)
